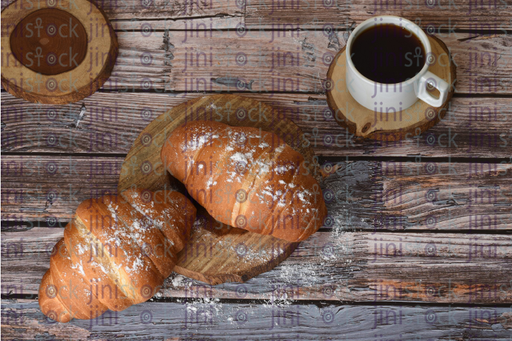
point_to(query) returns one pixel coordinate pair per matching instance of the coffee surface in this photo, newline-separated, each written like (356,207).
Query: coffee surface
(387,53)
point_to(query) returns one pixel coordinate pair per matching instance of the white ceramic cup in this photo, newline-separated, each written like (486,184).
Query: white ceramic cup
(372,94)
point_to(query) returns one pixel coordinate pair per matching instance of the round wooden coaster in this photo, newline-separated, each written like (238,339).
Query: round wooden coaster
(216,253)
(382,124)
(56,51)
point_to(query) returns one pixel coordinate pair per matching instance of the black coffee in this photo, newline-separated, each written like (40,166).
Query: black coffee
(387,53)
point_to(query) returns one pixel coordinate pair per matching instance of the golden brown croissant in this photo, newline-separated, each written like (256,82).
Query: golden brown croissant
(116,252)
(246,178)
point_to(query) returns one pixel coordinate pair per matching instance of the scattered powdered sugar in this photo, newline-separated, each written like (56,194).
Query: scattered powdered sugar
(81,249)
(79,267)
(211,182)
(178,281)
(239,157)
(269,191)
(303,274)
(133,232)
(280,149)
(263,167)
(304,196)
(202,139)
(137,265)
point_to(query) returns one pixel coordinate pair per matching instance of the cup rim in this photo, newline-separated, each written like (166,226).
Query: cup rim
(423,37)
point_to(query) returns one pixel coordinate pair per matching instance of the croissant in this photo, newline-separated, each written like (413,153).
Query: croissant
(246,178)
(116,252)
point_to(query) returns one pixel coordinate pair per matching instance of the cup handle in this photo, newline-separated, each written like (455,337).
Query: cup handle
(438,83)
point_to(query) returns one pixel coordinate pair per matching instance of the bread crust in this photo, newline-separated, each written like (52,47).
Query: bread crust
(116,251)
(246,178)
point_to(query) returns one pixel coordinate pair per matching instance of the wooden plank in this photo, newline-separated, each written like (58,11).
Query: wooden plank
(51,188)
(438,16)
(183,61)
(335,265)
(338,14)
(472,127)
(419,196)
(225,320)
(258,61)
(359,195)
(152,15)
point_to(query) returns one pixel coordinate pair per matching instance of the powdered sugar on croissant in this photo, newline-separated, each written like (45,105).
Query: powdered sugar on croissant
(116,252)
(246,178)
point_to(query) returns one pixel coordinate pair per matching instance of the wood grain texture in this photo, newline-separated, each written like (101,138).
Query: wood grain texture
(340,14)
(361,195)
(463,14)
(472,127)
(49,83)
(368,123)
(156,62)
(152,9)
(333,266)
(477,125)
(223,320)
(266,62)
(153,15)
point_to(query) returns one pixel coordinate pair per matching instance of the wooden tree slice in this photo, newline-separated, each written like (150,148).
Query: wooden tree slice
(412,121)
(56,51)
(217,253)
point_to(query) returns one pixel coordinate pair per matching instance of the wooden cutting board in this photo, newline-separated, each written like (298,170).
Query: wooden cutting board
(216,253)
(56,51)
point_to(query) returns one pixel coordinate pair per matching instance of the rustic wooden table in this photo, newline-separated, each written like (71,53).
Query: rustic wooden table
(418,245)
